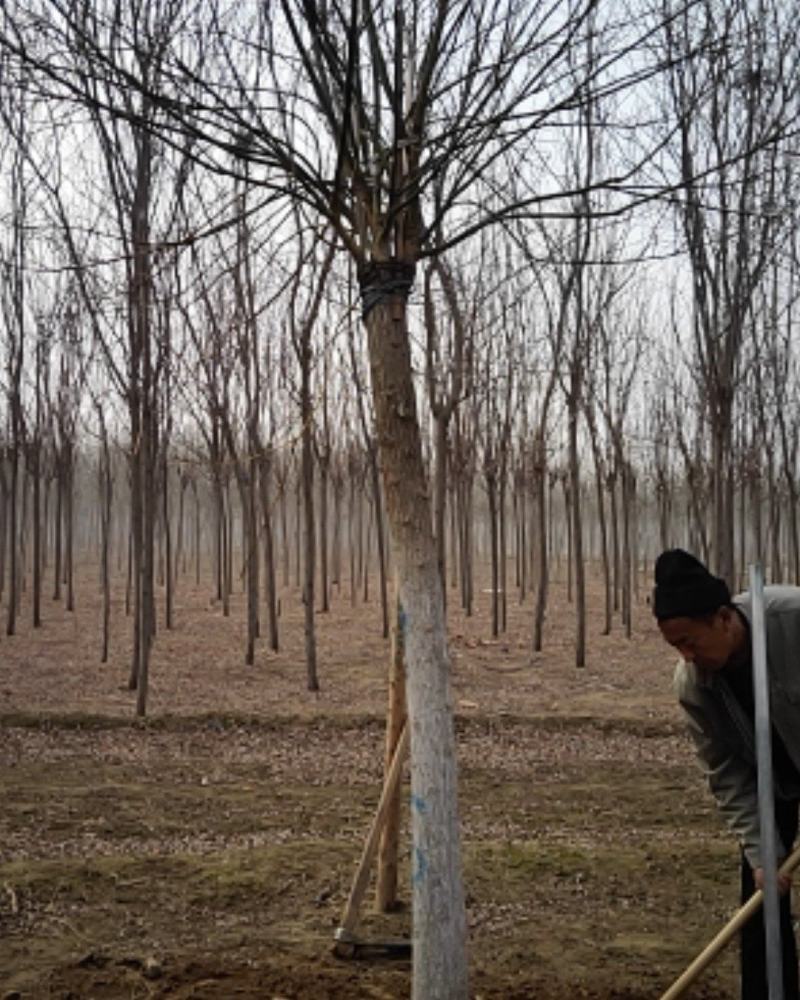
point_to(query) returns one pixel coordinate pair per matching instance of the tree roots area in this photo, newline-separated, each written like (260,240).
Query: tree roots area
(208,850)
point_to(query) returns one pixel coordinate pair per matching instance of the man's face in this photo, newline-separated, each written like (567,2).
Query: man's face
(707,642)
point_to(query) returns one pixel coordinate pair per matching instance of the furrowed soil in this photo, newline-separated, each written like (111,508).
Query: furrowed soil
(208,850)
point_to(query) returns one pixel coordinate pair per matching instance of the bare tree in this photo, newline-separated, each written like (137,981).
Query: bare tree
(496,377)
(730,101)
(105,483)
(371,470)
(303,317)
(362,113)
(619,361)
(448,370)
(15,323)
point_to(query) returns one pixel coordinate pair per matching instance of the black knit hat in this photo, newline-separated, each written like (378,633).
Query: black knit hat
(685,588)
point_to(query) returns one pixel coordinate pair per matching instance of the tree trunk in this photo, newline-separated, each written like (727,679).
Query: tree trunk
(13,576)
(129,569)
(366,554)
(503,554)
(106,489)
(251,534)
(754,477)
(336,542)
(627,556)
(440,497)
(455,554)
(464,515)
(611,482)
(219,536)
(69,531)
(309,541)
(381,543)
(323,534)
(722,472)
(439,918)
(491,496)
(228,549)
(285,548)
(179,562)
(298,532)
(144,440)
(57,526)
(5,503)
(168,574)
(136,546)
(577,538)
(36,474)
(270,586)
(543,569)
(774,519)
(569,521)
(196,534)
(600,479)
(244,470)
(147,621)
(353,525)
(521,536)
(789,461)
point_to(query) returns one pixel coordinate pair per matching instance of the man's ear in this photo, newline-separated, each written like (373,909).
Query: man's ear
(726,615)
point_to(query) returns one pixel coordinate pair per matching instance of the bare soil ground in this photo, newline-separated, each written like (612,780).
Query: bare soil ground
(207,851)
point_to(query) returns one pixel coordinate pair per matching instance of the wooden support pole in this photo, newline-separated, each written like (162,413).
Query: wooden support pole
(386,882)
(347,926)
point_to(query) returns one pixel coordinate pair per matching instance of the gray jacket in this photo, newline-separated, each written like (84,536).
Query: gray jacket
(722,732)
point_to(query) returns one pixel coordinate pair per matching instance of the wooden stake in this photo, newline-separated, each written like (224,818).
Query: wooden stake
(386,880)
(361,880)
(735,924)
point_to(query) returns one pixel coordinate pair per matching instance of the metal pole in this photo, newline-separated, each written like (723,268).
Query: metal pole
(766,799)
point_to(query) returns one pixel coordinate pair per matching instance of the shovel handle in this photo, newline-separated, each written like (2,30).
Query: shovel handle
(735,924)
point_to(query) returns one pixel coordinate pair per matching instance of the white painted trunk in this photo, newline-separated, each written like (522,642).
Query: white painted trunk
(440,964)
(440,961)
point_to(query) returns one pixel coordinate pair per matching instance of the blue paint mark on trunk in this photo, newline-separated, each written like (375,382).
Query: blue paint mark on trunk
(420,866)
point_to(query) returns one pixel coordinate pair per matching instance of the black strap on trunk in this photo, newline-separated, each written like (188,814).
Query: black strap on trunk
(380,280)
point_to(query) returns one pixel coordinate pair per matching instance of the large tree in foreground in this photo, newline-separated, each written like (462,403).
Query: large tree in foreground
(393,123)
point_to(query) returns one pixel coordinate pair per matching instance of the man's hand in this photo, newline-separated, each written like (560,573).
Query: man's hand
(784,881)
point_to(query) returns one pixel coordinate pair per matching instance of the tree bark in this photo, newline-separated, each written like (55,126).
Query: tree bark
(576,514)
(439,918)
(270,585)
(105,495)
(309,533)
(542,563)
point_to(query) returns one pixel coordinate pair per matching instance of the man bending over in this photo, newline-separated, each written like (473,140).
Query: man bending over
(714,684)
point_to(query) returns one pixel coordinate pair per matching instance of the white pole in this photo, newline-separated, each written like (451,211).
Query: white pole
(766,798)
